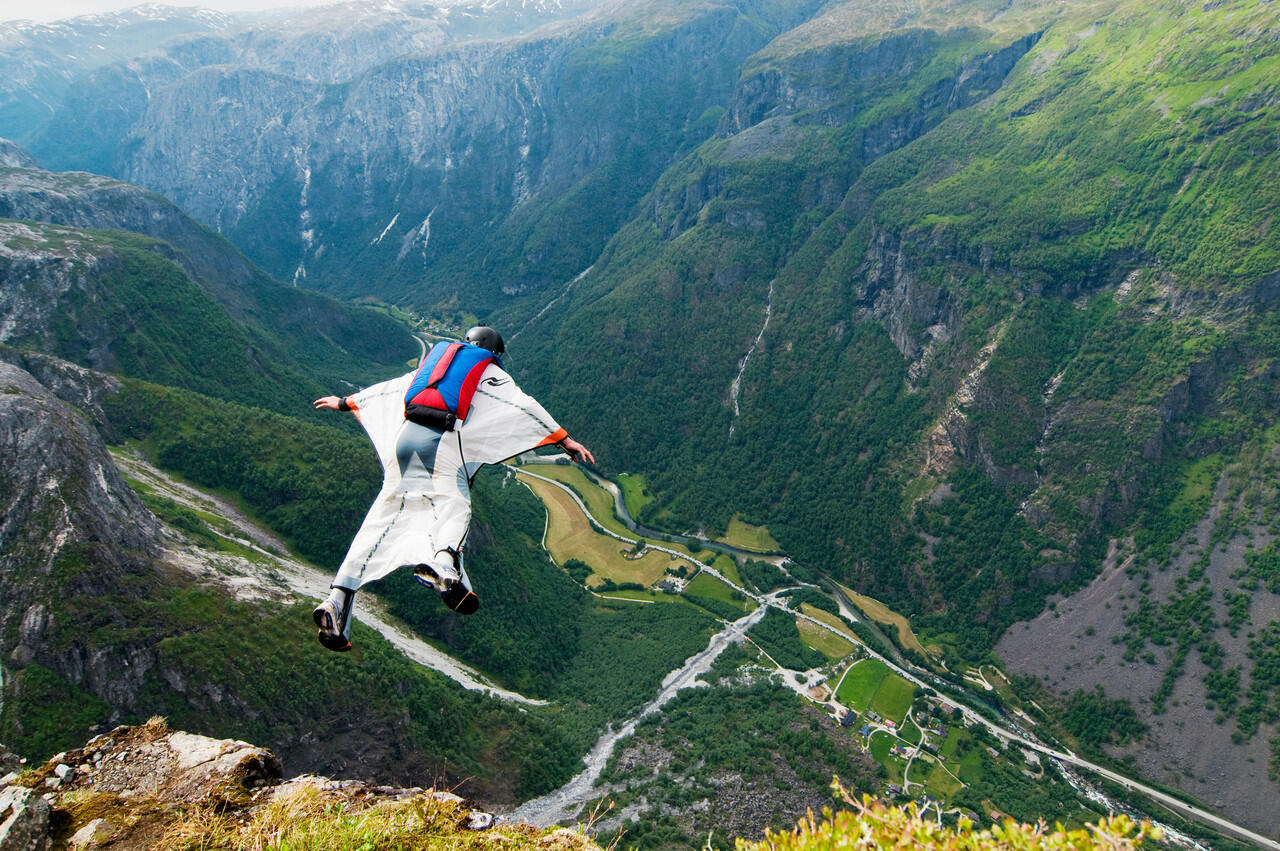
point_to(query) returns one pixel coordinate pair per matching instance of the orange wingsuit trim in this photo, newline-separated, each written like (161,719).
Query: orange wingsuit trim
(555,437)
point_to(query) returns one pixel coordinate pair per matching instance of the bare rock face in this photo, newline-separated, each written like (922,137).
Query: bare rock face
(58,490)
(24,820)
(14,156)
(70,527)
(9,761)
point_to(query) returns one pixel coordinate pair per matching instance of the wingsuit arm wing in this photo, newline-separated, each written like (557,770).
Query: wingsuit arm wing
(380,409)
(505,421)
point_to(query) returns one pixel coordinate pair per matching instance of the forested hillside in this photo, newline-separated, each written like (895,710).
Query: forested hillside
(115,278)
(961,373)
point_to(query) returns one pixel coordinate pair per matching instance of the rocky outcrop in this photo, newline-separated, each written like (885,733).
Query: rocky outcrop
(126,788)
(915,313)
(61,494)
(90,201)
(24,819)
(12,156)
(79,387)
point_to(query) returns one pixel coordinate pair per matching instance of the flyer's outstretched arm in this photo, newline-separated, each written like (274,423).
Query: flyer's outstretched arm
(577,451)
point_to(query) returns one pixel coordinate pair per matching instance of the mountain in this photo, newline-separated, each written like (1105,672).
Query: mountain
(301,207)
(1000,334)
(971,304)
(40,62)
(118,279)
(48,64)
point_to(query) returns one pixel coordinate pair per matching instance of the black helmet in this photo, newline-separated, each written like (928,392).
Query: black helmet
(486,338)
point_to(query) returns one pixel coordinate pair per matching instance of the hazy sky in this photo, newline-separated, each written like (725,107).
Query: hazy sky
(52,10)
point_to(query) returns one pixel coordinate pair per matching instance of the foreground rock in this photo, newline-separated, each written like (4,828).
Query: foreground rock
(147,786)
(24,820)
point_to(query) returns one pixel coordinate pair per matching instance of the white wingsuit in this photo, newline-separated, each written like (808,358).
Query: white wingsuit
(424,508)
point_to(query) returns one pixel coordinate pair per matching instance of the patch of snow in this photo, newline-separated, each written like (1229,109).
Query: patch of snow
(422,233)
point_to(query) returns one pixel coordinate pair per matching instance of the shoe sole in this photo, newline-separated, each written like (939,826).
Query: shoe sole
(328,636)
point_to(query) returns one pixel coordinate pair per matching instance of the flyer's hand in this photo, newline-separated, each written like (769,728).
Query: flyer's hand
(577,451)
(332,403)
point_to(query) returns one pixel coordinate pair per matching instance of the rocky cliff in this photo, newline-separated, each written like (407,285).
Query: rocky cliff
(13,156)
(148,786)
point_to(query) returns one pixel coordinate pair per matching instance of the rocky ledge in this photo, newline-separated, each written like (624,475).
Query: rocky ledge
(148,786)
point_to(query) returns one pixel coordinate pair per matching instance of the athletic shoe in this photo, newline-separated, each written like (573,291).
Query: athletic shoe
(332,617)
(437,577)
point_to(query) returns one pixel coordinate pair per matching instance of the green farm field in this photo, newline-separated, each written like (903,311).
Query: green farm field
(642,596)
(859,684)
(728,568)
(570,535)
(823,640)
(869,684)
(940,783)
(748,537)
(706,585)
(893,698)
(830,620)
(634,494)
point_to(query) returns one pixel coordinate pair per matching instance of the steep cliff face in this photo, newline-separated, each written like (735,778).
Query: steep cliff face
(73,533)
(132,53)
(62,493)
(399,167)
